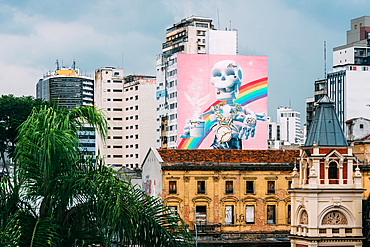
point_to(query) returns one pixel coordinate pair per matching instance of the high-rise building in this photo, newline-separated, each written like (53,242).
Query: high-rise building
(348,84)
(129,103)
(287,129)
(66,87)
(187,36)
(193,35)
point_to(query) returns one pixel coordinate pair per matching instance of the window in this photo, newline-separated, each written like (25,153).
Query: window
(117,109)
(136,97)
(249,187)
(271,214)
(136,88)
(228,187)
(117,137)
(136,146)
(136,117)
(201,187)
(289,214)
(229,215)
(271,187)
(289,184)
(333,173)
(117,119)
(117,128)
(249,212)
(117,146)
(201,215)
(136,107)
(117,156)
(172,187)
(136,127)
(136,156)
(117,91)
(361,126)
(136,136)
(108,90)
(117,99)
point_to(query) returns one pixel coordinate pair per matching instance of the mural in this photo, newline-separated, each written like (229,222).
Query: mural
(222,101)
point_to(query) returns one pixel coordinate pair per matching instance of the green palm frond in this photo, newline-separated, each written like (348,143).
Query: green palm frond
(59,199)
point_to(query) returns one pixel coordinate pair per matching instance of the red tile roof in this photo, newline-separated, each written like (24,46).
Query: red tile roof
(227,155)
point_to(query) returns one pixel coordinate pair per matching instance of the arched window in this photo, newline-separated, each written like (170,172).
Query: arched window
(333,173)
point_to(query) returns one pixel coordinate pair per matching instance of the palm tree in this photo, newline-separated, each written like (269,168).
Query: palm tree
(55,198)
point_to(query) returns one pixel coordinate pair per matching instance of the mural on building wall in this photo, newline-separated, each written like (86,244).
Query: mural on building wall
(149,187)
(222,101)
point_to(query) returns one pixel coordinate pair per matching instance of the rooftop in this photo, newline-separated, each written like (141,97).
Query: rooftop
(228,156)
(325,128)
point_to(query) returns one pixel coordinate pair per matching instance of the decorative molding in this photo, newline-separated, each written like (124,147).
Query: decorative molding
(288,178)
(249,178)
(186,178)
(216,179)
(224,177)
(271,178)
(201,198)
(201,178)
(172,178)
(336,202)
(334,218)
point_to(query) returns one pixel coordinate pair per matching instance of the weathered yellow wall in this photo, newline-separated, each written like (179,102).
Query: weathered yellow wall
(215,198)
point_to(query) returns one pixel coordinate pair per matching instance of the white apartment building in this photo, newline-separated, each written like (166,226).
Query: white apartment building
(348,85)
(129,104)
(290,122)
(287,129)
(193,35)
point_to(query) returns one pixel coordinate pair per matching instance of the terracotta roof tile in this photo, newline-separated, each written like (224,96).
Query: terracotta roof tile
(216,155)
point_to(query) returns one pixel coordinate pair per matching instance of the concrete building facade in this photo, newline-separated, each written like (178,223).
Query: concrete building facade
(129,103)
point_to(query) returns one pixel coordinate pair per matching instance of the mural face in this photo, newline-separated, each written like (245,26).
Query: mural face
(221,101)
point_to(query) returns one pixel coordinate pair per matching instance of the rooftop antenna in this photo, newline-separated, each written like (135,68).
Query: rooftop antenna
(325,59)
(218,20)
(57,63)
(230,26)
(73,64)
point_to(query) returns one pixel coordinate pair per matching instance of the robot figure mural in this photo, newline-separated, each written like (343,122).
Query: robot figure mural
(226,76)
(234,118)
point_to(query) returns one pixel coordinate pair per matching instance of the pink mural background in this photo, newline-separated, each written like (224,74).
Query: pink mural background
(193,78)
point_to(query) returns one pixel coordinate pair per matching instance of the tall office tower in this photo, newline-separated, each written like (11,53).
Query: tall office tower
(129,103)
(66,87)
(193,35)
(290,125)
(348,84)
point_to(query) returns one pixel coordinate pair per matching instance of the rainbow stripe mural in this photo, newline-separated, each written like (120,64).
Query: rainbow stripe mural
(248,93)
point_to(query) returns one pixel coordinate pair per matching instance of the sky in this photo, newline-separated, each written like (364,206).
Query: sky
(129,34)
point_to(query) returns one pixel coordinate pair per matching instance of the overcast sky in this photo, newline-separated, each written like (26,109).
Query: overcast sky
(96,34)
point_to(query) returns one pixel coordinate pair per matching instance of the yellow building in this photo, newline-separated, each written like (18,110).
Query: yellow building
(238,195)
